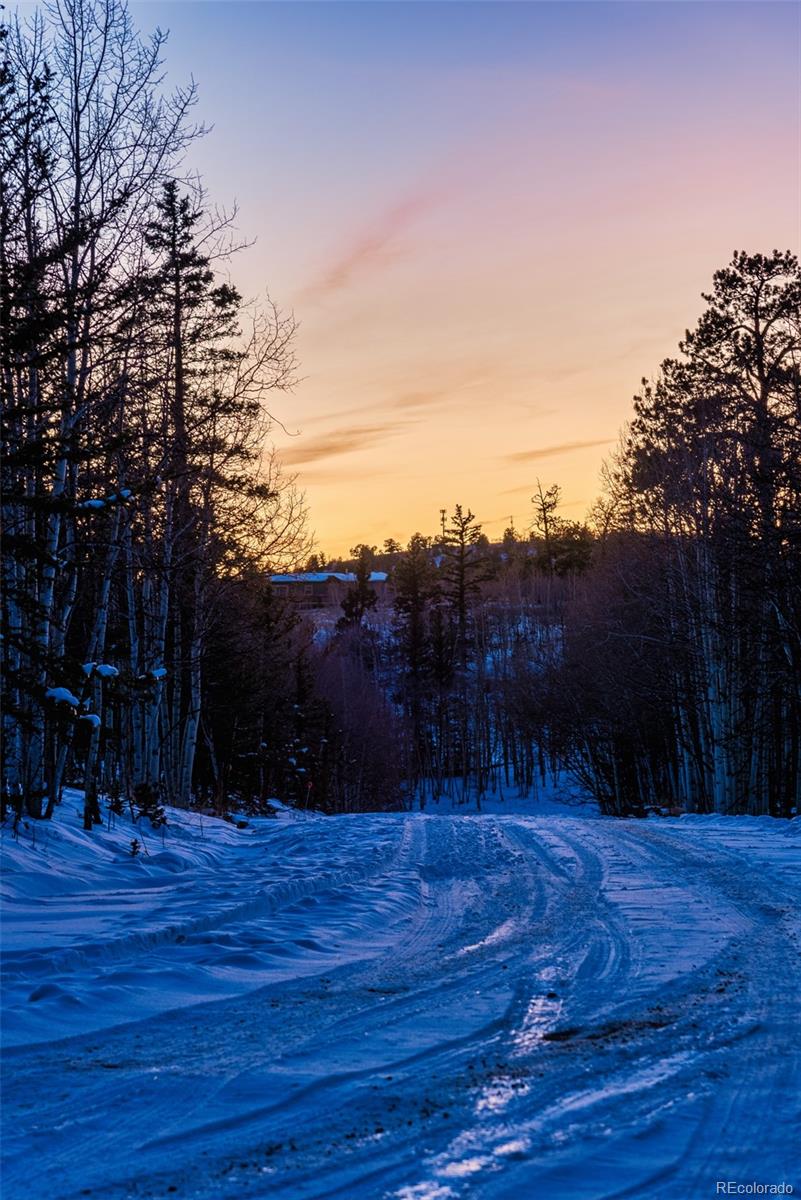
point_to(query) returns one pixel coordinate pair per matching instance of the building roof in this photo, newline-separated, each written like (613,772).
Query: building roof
(323,576)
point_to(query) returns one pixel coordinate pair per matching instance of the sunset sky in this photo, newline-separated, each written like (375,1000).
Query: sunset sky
(491,220)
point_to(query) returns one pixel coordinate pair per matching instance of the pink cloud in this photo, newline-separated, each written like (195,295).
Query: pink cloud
(370,249)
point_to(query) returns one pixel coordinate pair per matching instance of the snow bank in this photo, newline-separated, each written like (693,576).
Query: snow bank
(80,911)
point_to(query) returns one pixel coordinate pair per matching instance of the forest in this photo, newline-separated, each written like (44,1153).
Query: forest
(652,652)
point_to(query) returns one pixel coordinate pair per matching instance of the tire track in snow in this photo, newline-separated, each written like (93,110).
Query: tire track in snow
(637,1023)
(571,1005)
(447,864)
(419,924)
(753,1055)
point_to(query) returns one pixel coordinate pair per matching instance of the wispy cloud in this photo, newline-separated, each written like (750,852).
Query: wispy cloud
(371,247)
(526,487)
(551,451)
(407,402)
(451,390)
(412,403)
(424,398)
(338,441)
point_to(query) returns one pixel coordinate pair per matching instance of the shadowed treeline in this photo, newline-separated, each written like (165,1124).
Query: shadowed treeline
(137,487)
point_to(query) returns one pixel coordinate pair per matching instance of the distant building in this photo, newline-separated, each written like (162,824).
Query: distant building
(324,589)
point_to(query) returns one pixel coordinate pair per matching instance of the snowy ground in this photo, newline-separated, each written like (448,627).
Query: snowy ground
(417,1007)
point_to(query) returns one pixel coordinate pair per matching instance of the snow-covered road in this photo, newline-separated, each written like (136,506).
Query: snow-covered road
(411,1007)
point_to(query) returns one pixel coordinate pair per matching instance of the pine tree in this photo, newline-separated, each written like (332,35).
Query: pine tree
(465,567)
(416,587)
(360,598)
(700,584)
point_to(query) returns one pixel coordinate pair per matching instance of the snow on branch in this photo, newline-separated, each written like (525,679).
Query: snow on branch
(61,695)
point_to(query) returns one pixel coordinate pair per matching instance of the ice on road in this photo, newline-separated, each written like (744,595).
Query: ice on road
(410,1007)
